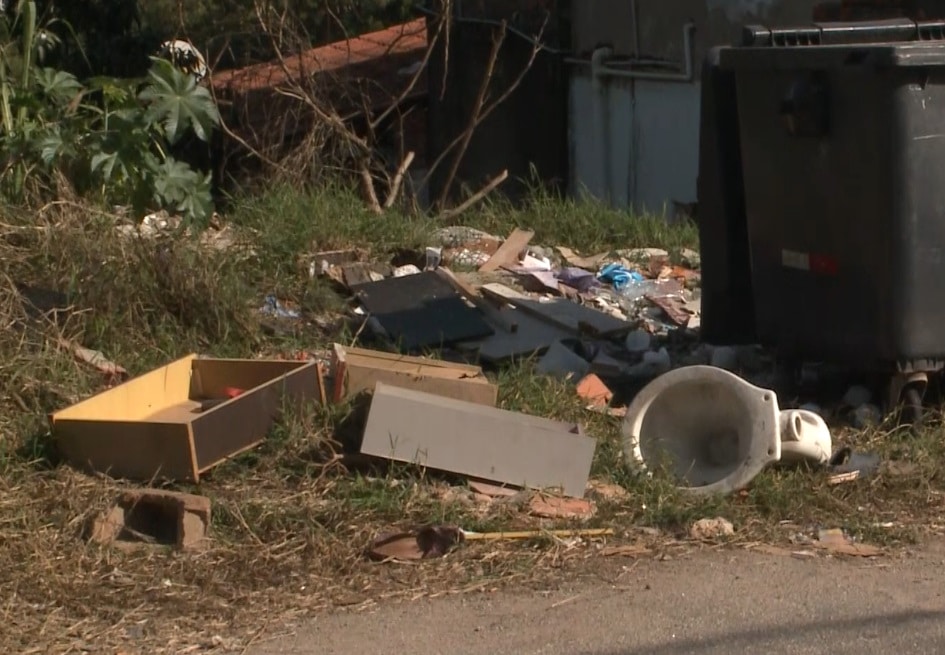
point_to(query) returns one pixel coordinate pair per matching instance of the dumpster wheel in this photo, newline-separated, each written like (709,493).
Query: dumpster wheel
(912,412)
(908,394)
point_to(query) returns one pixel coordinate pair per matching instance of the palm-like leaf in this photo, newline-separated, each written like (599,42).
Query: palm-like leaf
(176,101)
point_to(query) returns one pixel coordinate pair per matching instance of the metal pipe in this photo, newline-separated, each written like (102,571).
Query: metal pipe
(687,75)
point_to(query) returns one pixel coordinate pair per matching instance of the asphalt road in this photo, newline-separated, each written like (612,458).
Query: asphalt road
(711,602)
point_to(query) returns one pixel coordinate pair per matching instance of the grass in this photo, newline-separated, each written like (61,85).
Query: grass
(291,519)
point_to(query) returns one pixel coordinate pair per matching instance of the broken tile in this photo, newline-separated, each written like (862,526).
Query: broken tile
(553,507)
(592,389)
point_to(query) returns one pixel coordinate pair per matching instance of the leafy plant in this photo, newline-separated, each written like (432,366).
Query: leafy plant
(109,136)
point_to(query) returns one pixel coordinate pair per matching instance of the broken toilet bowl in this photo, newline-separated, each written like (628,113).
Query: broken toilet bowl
(715,432)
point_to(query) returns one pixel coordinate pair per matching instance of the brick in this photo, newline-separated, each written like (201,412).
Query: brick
(154,516)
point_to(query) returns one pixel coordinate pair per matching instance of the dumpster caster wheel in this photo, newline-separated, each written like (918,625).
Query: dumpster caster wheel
(912,411)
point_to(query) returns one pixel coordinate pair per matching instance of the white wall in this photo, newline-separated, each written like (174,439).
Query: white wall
(634,143)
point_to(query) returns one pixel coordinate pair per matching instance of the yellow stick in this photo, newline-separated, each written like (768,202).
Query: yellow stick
(533,534)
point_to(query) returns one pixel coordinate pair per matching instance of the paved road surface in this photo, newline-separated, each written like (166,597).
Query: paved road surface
(708,603)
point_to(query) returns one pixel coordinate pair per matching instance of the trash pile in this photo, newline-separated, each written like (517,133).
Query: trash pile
(612,325)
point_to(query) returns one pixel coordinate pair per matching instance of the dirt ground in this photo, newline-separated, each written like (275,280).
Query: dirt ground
(708,601)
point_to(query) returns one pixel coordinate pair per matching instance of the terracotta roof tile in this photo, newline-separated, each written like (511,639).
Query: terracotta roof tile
(377,56)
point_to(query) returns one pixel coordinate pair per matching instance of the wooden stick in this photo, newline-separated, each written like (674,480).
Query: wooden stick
(398,180)
(476,197)
(533,534)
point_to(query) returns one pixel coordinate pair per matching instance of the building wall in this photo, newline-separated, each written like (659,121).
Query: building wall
(636,142)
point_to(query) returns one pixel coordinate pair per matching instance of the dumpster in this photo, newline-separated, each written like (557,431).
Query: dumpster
(842,156)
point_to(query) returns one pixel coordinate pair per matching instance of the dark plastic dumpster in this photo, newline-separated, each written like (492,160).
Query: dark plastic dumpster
(842,140)
(728,312)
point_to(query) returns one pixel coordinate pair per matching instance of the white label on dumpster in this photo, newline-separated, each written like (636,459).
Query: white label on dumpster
(794,259)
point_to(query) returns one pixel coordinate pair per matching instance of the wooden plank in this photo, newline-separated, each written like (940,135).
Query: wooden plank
(561,312)
(491,312)
(358,370)
(212,376)
(243,422)
(137,398)
(129,449)
(482,442)
(509,251)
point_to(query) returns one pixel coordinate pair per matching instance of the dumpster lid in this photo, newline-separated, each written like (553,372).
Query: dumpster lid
(876,55)
(897,30)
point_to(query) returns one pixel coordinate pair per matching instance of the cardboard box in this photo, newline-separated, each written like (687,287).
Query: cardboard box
(153,427)
(355,370)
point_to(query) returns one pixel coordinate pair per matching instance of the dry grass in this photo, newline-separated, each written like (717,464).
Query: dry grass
(291,519)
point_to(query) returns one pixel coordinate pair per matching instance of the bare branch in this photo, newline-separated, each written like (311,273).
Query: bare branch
(485,111)
(367,183)
(476,197)
(398,180)
(497,41)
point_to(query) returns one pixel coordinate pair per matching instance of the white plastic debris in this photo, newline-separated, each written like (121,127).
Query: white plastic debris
(638,341)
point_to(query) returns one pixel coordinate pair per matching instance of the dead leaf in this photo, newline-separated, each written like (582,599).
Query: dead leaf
(552,507)
(835,541)
(710,529)
(491,490)
(657,264)
(95,358)
(425,543)
(630,550)
(673,307)
(606,491)
(592,262)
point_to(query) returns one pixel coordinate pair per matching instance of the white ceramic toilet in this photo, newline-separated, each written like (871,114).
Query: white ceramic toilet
(715,432)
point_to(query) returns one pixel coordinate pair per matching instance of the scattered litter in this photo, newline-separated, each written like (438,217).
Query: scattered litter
(562,362)
(643,255)
(620,277)
(592,389)
(433,258)
(552,507)
(691,258)
(847,466)
(404,271)
(638,341)
(653,365)
(436,541)
(606,491)
(711,529)
(97,359)
(491,490)
(592,262)
(510,252)
(274,307)
(673,307)
(426,543)
(579,279)
(838,543)
(629,550)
